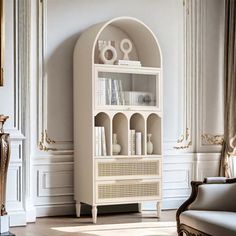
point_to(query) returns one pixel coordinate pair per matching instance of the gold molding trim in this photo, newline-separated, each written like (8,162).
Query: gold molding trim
(210,139)
(45,141)
(2,41)
(231,144)
(184,142)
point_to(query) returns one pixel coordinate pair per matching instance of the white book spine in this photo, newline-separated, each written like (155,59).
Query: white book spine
(117,92)
(121,93)
(96,140)
(104,150)
(113,93)
(101,91)
(99,141)
(109,92)
(132,142)
(138,143)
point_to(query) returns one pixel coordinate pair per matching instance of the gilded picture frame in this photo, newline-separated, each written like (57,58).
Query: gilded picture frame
(2,41)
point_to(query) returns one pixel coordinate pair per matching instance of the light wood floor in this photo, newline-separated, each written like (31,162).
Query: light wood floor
(52,225)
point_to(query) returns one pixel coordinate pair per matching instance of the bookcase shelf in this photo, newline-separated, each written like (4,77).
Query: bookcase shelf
(125,100)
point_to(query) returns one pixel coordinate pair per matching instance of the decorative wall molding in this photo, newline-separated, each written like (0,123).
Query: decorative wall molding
(205,140)
(24,59)
(210,139)
(45,141)
(185,139)
(184,142)
(43,135)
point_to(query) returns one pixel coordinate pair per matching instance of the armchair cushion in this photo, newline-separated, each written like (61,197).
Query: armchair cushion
(215,197)
(217,223)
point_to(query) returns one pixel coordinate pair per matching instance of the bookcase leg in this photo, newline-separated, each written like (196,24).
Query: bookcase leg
(94,214)
(140,207)
(158,209)
(78,209)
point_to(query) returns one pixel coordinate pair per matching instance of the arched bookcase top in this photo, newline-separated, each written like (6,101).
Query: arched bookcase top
(146,46)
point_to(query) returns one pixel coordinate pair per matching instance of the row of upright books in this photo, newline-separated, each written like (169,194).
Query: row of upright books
(100,141)
(110,92)
(135,143)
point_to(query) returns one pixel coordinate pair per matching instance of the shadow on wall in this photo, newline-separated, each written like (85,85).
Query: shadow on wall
(59,72)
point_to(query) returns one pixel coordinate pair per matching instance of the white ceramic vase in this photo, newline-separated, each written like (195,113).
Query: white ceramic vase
(149,145)
(116,148)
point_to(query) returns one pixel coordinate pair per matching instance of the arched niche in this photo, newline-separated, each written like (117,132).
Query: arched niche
(120,127)
(102,119)
(137,123)
(154,127)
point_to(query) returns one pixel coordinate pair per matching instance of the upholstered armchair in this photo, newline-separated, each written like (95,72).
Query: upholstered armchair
(210,209)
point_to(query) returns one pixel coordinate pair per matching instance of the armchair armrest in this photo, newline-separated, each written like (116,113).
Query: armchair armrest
(191,199)
(210,195)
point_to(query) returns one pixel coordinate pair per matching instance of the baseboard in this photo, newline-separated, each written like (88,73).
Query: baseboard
(69,209)
(17,218)
(55,210)
(31,215)
(166,204)
(172,204)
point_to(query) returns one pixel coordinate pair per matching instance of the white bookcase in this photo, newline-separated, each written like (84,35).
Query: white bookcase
(119,98)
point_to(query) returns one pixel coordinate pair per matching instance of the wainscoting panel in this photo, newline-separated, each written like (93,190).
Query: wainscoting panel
(178,171)
(207,165)
(54,189)
(52,183)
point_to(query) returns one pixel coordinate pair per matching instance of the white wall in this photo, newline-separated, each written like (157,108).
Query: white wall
(51,94)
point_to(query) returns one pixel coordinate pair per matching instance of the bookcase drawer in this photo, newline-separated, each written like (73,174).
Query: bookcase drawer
(128,191)
(128,169)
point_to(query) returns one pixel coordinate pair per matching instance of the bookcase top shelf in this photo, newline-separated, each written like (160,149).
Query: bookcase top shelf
(128,69)
(146,48)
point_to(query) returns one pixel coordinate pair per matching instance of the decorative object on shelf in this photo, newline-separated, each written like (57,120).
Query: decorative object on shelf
(2,23)
(209,139)
(116,148)
(136,98)
(4,163)
(149,144)
(128,63)
(45,140)
(108,53)
(184,142)
(126,47)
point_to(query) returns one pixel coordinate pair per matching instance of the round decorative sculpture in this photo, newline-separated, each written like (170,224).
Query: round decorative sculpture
(4,162)
(108,54)
(126,47)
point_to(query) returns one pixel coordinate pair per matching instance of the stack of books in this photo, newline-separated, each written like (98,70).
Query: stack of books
(135,143)
(128,63)
(100,141)
(110,92)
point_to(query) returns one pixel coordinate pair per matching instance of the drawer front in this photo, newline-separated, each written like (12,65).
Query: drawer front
(127,169)
(127,191)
